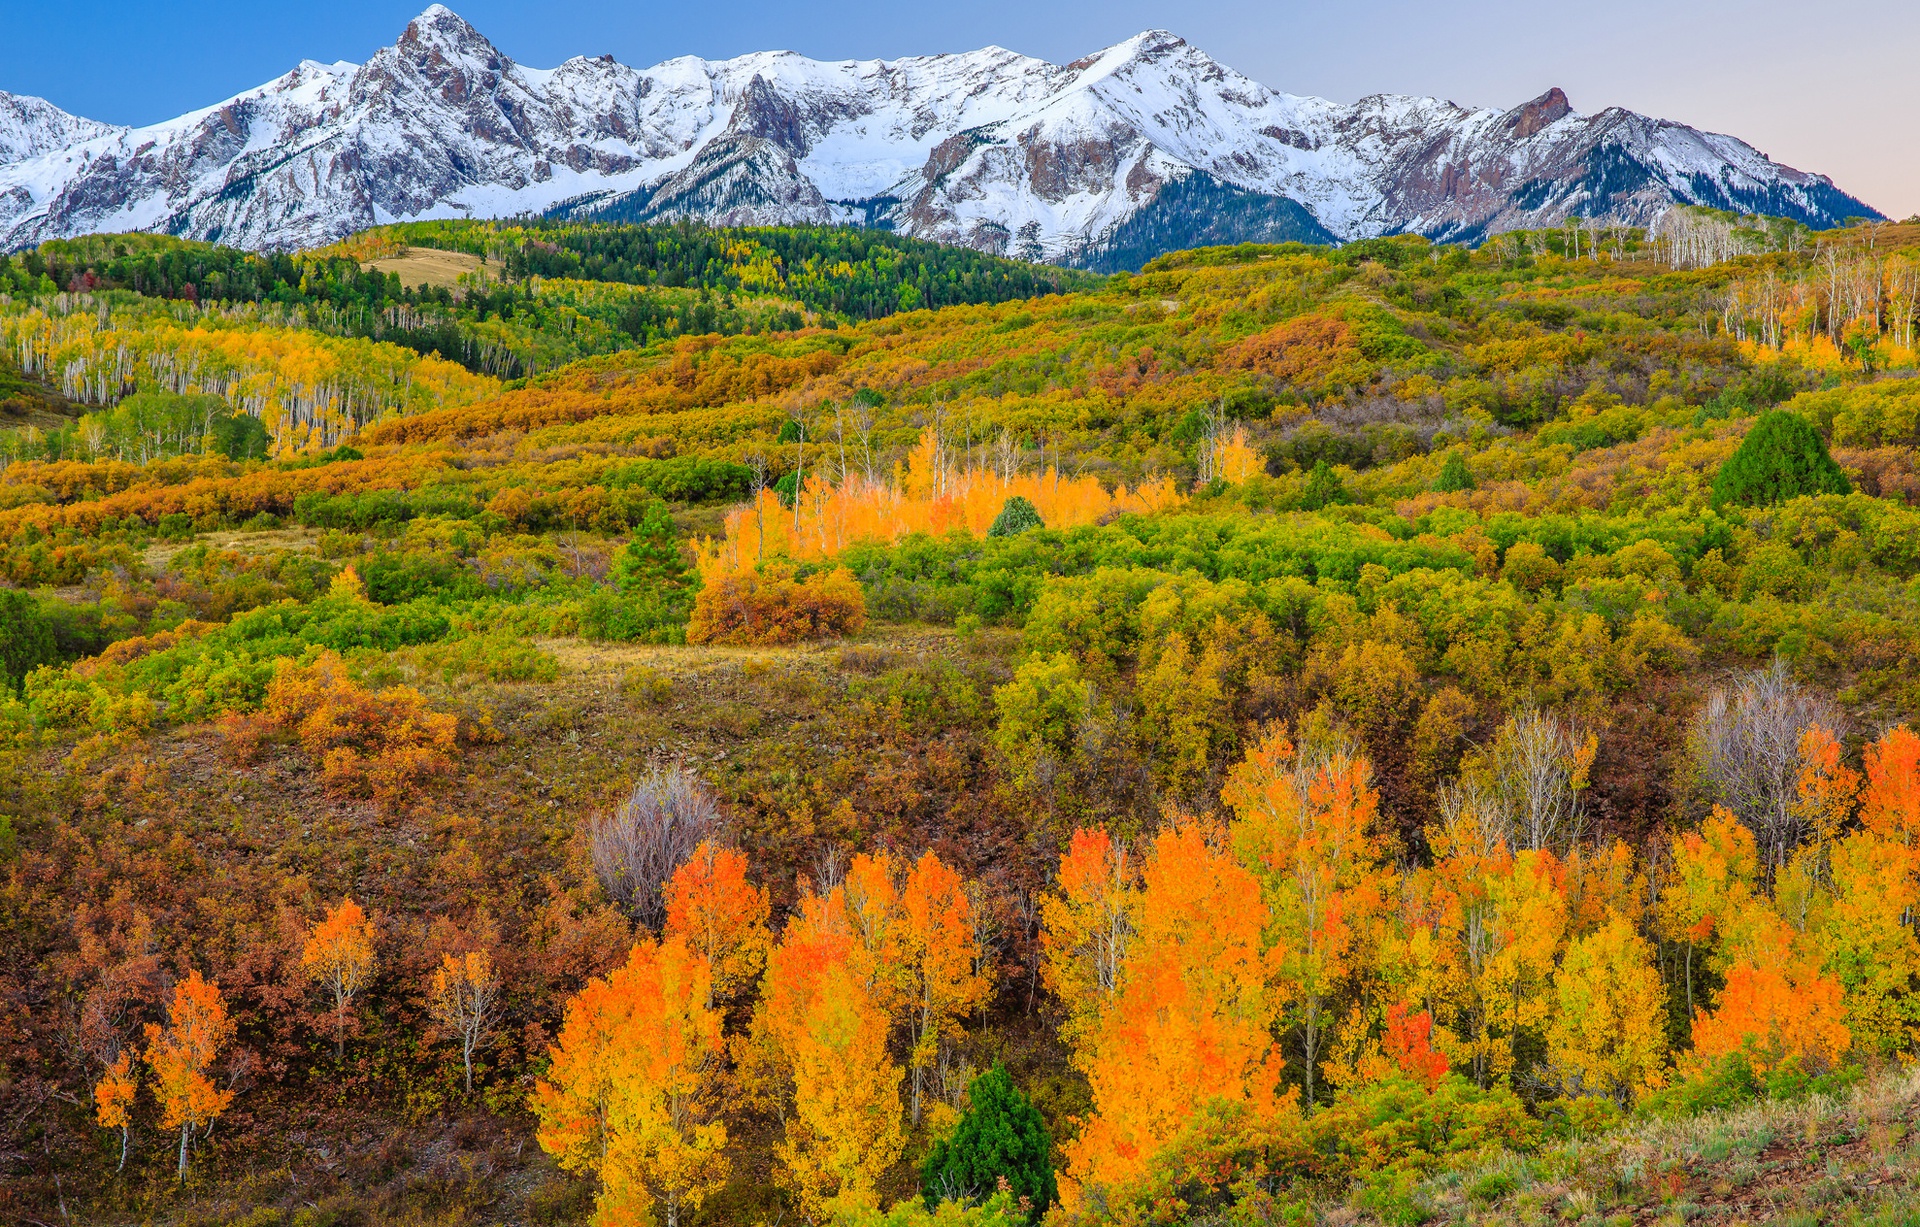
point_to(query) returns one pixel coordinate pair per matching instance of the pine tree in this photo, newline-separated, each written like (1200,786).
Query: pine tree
(1324,487)
(1000,1136)
(1016,517)
(652,559)
(1783,457)
(1454,474)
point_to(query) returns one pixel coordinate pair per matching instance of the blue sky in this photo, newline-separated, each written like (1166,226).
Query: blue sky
(1825,87)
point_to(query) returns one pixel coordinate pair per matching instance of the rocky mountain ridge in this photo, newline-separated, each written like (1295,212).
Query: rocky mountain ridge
(1145,146)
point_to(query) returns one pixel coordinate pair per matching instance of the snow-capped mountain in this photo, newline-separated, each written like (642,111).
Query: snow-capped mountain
(1144,147)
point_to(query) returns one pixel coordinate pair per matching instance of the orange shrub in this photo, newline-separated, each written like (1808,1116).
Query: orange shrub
(378,743)
(748,607)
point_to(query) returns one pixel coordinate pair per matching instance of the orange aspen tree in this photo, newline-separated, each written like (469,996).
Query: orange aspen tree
(1087,922)
(1711,881)
(1409,1042)
(721,915)
(180,1054)
(870,900)
(463,999)
(1304,825)
(1827,787)
(1890,799)
(1774,1018)
(1607,1035)
(820,1012)
(1191,1023)
(943,981)
(339,956)
(113,1100)
(627,1090)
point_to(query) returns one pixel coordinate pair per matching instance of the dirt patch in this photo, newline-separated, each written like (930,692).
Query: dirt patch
(430,266)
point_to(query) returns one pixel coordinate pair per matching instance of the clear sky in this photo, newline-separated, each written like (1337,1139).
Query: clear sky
(1829,87)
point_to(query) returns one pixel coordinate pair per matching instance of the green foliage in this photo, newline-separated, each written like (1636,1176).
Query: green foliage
(1732,1081)
(26,637)
(1016,517)
(1782,457)
(1000,1137)
(1324,488)
(997,1211)
(1397,1127)
(1454,474)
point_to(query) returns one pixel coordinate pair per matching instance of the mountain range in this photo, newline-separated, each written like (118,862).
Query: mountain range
(1147,146)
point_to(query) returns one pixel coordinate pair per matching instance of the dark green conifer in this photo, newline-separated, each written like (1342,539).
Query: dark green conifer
(1000,1135)
(1016,517)
(1454,474)
(1324,487)
(1783,457)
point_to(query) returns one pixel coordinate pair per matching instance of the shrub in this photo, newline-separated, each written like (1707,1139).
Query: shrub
(637,847)
(380,743)
(1783,457)
(1016,517)
(1324,487)
(1001,1137)
(749,608)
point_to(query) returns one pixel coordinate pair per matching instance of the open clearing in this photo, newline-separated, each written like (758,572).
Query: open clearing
(429,266)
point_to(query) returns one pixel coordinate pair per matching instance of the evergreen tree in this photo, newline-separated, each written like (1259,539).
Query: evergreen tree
(1000,1135)
(652,559)
(1782,457)
(1016,517)
(1324,487)
(1454,474)
(26,637)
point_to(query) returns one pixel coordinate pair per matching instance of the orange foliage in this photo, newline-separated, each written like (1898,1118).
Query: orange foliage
(1409,1042)
(381,743)
(1306,824)
(824,1010)
(927,495)
(1086,923)
(1890,803)
(1774,1017)
(943,981)
(720,915)
(1191,1024)
(180,1054)
(339,956)
(113,1098)
(1310,350)
(751,607)
(627,1092)
(1826,785)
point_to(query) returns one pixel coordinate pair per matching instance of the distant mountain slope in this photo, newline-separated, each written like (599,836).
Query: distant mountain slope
(1106,161)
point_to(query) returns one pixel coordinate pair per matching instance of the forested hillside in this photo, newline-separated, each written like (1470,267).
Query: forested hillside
(1370,734)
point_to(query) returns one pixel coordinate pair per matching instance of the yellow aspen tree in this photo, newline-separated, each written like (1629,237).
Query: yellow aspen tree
(943,982)
(180,1055)
(820,1012)
(463,999)
(1607,1035)
(1529,915)
(1191,1024)
(113,1100)
(1305,827)
(339,957)
(1086,924)
(627,1091)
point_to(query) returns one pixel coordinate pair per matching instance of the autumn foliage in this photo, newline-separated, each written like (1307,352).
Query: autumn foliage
(749,608)
(181,1056)
(381,743)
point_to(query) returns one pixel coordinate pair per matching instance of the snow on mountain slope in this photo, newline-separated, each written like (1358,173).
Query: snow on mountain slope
(1141,147)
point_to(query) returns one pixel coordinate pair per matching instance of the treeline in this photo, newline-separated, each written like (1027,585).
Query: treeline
(844,270)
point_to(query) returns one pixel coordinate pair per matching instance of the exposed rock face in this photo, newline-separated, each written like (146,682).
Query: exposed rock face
(1147,145)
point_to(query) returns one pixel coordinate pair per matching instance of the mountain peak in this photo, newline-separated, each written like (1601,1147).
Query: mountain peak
(440,25)
(1548,108)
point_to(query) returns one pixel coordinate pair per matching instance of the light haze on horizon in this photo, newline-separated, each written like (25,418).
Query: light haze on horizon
(1828,89)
